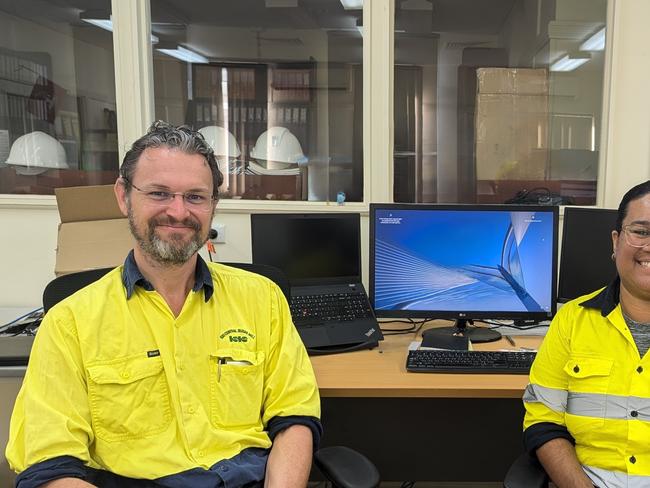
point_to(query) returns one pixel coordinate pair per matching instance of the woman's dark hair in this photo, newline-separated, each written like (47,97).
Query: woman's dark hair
(180,137)
(633,193)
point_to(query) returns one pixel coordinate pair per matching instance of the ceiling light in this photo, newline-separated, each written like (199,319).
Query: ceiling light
(104,21)
(352,4)
(184,54)
(595,43)
(569,62)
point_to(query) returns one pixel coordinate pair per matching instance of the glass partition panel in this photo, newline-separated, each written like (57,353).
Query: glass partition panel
(57,95)
(274,85)
(498,101)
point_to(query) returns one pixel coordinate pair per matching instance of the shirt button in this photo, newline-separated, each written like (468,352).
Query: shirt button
(201,453)
(125,374)
(576,369)
(191,409)
(634,413)
(632,459)
(639,369)
(180,367)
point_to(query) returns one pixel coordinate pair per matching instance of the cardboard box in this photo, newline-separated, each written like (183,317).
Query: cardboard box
(93,232)
(511,124)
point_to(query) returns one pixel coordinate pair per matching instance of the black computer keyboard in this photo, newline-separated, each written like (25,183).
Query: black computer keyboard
(342,307)
(443,361)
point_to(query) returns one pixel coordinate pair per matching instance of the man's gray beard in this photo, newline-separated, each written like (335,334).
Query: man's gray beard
(165,252)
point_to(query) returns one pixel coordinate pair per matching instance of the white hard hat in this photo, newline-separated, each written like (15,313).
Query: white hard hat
(223,143)
(35,153)
(280,145)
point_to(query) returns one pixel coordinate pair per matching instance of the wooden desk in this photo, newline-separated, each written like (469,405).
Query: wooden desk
(422,426)
(381,372)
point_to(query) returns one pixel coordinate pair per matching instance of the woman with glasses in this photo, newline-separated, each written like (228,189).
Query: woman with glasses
(588,401)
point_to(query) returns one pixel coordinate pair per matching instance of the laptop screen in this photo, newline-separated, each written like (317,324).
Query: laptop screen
(311,249)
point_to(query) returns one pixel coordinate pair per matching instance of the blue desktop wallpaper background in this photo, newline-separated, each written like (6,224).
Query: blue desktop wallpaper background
(468,260)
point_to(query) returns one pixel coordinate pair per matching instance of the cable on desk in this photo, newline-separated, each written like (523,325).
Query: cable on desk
(504,323)
(415,327)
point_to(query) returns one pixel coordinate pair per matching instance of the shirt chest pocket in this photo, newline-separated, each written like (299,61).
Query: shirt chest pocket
(589,380)
(129,398)
(236,387)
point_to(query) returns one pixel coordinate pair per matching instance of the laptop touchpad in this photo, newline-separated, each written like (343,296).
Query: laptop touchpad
(314,336)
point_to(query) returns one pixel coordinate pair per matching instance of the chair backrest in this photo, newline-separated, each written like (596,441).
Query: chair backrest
(271,272)
(63,286)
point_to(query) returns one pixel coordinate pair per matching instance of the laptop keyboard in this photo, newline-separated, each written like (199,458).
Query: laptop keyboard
(332,307)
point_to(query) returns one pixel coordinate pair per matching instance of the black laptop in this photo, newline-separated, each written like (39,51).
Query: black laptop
(321,255)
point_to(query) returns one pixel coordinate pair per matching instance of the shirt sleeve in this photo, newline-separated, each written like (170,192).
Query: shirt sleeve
(545,398)
(51,416)
(53,469)
(290,389)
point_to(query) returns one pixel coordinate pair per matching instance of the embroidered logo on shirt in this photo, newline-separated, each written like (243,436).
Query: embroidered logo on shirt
(153,354)
(237,335)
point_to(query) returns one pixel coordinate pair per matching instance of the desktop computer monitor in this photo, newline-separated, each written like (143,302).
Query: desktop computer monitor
(463,262)
(586,256)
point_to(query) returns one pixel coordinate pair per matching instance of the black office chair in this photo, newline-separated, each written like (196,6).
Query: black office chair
(526,472)
(341,466)
(63,286)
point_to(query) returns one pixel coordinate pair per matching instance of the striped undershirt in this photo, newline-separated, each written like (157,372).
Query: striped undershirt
(641,333)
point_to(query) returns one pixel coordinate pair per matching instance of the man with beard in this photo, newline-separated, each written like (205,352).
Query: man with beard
(169,371)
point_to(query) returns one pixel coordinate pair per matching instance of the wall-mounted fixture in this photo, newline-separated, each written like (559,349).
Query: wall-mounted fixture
(571,61)
(184,54)
(595,42)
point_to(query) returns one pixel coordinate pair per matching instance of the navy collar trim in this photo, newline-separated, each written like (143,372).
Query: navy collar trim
(607,300)
(132,277)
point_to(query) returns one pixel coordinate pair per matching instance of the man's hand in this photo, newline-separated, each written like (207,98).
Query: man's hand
(68,483)
(558,457)
(290,459)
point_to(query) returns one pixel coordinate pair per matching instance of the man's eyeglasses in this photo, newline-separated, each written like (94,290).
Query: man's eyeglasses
(637,235)
(196,200)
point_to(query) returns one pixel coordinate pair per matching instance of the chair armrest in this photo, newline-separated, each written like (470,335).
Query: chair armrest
(346,468)
(526,472)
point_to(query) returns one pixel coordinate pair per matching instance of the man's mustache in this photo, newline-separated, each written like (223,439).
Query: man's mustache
(191,223)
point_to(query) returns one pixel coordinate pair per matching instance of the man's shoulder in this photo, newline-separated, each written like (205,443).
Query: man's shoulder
(94,293)
(232,274)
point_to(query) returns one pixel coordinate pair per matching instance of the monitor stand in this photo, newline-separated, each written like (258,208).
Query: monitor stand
(475,334)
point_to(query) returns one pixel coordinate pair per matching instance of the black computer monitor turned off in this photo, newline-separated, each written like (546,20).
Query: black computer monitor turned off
(586,254)
(463,262)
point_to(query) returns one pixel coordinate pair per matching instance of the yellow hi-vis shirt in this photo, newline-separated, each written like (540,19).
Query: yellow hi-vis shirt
(589,378)
(125,386)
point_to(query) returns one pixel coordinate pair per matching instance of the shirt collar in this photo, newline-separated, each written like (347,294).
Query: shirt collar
(606,300)
(132,277)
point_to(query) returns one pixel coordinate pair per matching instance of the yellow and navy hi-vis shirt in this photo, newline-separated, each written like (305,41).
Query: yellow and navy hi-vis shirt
(589,385)
(115,382)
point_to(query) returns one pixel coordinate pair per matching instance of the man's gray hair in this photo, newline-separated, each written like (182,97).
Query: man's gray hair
(182,137)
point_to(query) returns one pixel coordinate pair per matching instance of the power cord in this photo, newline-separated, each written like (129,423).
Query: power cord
(415,326)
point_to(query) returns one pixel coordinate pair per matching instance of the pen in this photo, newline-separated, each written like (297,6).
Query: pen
(510,340)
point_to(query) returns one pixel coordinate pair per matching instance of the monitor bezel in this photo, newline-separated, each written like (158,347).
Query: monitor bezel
(355,217)
(573,213)
(458,314)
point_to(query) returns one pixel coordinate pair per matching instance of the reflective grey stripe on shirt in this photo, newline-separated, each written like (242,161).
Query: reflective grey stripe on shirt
(589,404)
(609,406)
(553,398)
(615,479)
